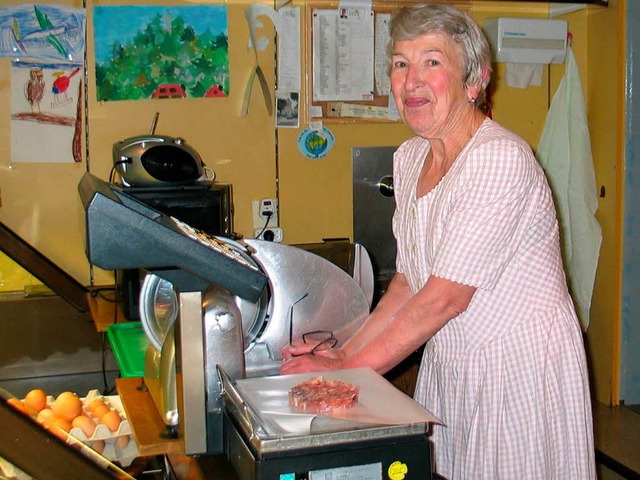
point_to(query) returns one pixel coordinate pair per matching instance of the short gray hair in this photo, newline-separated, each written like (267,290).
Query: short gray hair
(419,19)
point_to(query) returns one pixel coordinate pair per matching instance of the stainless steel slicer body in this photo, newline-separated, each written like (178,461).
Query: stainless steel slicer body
(215,328)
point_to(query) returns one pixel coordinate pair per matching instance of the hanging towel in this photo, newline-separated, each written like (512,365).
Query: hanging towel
(565,154)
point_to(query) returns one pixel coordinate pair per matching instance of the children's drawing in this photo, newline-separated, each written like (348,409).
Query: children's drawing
(161,52)
(46,44)
(47,33)
(60,87)
(35,88)
(46,116)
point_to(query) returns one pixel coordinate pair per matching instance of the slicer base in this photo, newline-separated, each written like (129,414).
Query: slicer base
(395,458)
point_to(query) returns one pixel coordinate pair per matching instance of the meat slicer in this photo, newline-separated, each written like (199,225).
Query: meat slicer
(215,328)
(210,302)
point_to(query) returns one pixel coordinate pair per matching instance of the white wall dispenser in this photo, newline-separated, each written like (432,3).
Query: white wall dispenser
(526,44)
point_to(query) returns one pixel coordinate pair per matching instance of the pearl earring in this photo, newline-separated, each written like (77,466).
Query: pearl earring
(472,100)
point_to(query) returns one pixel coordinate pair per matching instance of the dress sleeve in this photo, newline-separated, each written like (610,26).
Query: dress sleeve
(406,160)
(489,213)
(397,213)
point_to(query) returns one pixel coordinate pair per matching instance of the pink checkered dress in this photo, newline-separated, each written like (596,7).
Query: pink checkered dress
(508,377)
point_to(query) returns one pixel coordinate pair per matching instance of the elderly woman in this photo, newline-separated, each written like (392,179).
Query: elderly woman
(479,274)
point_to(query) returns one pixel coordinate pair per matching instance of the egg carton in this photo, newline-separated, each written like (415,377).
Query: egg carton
(102,432)
(112,450)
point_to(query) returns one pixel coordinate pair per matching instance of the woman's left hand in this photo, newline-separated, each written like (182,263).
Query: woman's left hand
(330,359)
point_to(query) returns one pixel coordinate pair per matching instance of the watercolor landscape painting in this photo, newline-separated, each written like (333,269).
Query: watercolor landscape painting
(159,52)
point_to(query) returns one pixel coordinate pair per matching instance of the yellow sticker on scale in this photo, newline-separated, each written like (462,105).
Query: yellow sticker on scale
(397,471)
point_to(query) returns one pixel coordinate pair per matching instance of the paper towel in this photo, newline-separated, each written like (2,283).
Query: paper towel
(522,75)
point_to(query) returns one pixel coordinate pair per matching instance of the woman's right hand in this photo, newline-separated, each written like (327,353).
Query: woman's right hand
(297,348)
(329,359)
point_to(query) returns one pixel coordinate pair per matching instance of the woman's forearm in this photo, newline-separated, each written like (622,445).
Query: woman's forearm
(404,322)
(400,324)
(380,320)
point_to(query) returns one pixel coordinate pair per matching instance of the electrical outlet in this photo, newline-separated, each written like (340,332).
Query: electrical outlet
(271,234)
(268,208)
(260,207)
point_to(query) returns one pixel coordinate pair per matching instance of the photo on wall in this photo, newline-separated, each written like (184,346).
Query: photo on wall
(161,52)
(287,109)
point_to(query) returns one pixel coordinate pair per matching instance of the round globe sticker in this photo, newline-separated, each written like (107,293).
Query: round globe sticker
(315,144)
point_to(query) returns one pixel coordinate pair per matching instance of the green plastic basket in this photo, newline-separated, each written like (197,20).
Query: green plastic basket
(129,345)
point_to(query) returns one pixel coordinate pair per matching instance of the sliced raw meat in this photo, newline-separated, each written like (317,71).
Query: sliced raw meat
(320,395)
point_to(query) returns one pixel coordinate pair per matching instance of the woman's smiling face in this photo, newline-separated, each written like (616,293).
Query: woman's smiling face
(427,85)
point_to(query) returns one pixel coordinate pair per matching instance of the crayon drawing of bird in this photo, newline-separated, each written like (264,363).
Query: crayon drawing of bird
(35,88)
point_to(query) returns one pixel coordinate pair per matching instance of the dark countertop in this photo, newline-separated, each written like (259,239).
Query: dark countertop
(617,436)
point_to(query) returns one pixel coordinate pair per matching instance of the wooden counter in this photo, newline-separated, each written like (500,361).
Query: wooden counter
(105,310)
(145,420)
(147,427)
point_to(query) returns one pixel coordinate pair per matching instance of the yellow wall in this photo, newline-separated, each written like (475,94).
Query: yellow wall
(40,201)
(604,91)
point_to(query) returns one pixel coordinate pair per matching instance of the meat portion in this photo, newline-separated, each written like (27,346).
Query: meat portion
(320,395)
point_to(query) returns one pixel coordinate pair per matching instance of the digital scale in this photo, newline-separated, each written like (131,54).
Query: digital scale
(384,437)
